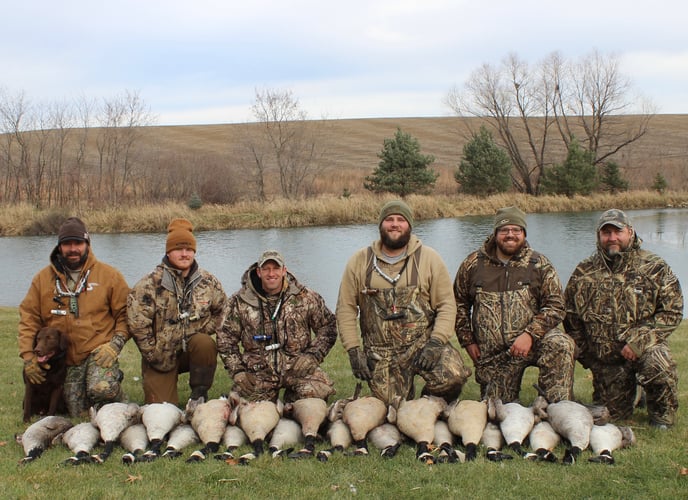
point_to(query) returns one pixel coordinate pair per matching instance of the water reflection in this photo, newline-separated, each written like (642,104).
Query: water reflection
(318,255)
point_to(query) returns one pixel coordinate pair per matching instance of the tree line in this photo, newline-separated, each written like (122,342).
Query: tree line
(551,127)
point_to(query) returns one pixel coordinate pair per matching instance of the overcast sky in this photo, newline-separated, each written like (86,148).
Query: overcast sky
(201,61)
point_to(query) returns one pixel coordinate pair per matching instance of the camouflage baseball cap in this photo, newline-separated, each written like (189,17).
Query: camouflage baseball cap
(271,255)
(615,217)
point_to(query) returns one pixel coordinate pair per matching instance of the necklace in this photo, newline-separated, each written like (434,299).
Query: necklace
(389,279)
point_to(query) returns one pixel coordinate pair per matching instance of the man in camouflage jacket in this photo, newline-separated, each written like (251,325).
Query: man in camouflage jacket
(509,303)
(622,303)
(173,312)
(285,331)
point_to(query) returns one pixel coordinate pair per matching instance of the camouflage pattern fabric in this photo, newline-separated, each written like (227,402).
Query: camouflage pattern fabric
(252,341)
(267,386)
(392,345)
(496,303)
(88,384)
(164,310)
(500,375)
(634,299)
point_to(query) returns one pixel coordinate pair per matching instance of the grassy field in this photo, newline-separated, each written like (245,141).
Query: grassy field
(652,469)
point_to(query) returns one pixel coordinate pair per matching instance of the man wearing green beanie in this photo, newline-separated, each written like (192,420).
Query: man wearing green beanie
(509,303)
(398,292)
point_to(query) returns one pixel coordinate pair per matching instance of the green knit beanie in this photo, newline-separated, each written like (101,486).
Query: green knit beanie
(396,207)
(510,216)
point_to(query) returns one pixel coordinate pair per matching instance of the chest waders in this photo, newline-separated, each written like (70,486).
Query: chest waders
(395,324)
(501,315)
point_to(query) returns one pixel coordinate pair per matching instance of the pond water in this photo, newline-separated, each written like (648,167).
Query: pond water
(317,255)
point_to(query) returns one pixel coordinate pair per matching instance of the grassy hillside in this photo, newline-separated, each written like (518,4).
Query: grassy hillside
(655,468)
(353,145)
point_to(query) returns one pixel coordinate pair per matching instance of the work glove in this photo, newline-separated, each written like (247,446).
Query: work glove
(34,372)
(304,364)
(359,364)
(245,382)
(430,354)
(106,354)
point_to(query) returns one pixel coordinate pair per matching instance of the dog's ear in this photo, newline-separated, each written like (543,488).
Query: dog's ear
(64,341)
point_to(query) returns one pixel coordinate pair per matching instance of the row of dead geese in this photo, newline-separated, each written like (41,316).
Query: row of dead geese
(428,421)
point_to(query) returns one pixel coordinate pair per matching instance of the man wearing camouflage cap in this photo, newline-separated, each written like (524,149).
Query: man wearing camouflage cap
(509,303)
(285,331)
(397,292)
(622,303)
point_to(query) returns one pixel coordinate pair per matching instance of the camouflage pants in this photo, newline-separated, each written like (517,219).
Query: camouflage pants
(500,375)
(268,385)
(88,384)
(614,385)
(394,373)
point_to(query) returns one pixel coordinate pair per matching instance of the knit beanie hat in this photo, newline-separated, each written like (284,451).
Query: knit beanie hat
(510,216)
(73,229)
(180,235)
(396,207)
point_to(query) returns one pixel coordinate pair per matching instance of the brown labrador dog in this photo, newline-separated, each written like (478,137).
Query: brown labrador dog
(50,346)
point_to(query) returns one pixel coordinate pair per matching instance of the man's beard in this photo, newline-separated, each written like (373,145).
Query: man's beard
(76,265)
(508,251)
(392,244)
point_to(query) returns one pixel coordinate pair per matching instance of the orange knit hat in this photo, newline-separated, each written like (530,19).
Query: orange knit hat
(180,235)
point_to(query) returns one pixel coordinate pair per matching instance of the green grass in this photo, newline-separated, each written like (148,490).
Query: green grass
(652,469)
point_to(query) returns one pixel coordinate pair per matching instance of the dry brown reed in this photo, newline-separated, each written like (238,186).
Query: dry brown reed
(325,210)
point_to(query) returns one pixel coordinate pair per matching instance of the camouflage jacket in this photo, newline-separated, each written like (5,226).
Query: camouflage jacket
(634,299)
(164,310)
(302,324)
(497,302)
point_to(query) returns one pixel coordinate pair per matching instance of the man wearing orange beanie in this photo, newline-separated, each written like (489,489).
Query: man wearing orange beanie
(173,312)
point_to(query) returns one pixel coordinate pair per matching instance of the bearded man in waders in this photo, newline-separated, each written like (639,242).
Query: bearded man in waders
(401,293)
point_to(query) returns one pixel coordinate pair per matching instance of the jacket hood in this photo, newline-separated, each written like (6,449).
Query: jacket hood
(615,260)
(58,265)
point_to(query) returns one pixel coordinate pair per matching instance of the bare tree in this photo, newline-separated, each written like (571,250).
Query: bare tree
(286,142)
(522,103)
(120,119)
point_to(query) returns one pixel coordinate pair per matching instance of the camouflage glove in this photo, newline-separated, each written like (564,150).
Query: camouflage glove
(359,364)
(105,355)
(304,364)
(245,382)
(33,371)
(430,354)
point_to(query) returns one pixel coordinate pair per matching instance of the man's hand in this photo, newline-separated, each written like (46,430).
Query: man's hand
(628,353)
(430,354)
(304,364)
(246,382)
(473,351)
(34,372)
(105,355)
(521,346)
(359,364)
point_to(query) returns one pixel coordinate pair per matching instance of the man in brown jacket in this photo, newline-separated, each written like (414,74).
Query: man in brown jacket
(86,300)
(401,292)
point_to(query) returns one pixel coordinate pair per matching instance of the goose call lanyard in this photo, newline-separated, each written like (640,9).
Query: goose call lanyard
(395,313)
(274,314)
(73,296)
